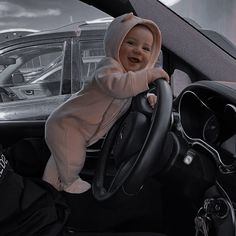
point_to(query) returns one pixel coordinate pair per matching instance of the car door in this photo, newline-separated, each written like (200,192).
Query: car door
(31,87)
(43,76)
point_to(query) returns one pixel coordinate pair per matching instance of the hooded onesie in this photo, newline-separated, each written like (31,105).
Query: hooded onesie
(89,114)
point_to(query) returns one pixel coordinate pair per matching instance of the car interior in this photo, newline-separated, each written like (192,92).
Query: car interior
(165,171)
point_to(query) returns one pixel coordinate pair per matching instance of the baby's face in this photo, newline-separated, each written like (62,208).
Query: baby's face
(136,48)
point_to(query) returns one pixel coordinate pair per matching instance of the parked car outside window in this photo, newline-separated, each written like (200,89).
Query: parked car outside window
(48,68)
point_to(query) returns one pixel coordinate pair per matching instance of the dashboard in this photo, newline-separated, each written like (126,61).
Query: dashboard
(206,115)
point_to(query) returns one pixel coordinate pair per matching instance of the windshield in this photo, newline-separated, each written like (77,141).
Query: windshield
(216,19)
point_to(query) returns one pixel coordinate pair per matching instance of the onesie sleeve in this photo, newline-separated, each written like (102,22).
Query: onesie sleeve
(112,79)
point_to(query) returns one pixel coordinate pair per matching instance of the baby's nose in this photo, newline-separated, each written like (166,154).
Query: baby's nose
(137,50)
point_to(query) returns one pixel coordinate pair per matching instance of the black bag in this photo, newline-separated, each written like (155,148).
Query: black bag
(29,206)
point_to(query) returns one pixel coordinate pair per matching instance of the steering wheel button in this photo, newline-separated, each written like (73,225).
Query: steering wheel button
(188,159)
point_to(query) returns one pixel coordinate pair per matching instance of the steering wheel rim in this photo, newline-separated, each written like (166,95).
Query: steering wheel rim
(131,175)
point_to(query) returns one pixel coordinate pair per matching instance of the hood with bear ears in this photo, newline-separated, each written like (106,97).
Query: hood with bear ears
(119,28)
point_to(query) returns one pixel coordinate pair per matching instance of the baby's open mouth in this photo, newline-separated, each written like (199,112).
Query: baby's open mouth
(134,60)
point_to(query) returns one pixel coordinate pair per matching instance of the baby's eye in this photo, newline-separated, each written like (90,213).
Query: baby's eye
(130,42)
(147,49)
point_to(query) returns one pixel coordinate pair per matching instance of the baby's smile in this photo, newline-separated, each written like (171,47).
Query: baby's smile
(134,59)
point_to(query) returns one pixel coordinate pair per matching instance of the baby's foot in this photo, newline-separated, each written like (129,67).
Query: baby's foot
(79,186)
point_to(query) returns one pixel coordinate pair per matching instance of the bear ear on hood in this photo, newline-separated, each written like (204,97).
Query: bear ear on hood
(119,28)
(127,16)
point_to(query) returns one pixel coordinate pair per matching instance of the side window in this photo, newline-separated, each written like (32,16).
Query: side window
(90,53)
(36,73)
(179,81)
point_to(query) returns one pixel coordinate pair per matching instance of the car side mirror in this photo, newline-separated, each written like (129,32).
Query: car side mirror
(7,61)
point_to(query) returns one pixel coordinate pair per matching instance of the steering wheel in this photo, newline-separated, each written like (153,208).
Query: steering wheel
(135,143)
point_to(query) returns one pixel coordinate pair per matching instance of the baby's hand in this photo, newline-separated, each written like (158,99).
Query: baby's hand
(152,99)
(157,73)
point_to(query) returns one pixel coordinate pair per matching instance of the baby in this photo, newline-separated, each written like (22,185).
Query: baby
(132,46)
